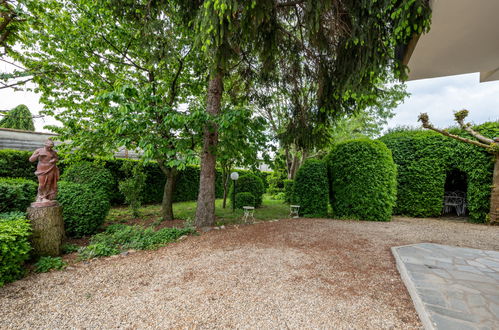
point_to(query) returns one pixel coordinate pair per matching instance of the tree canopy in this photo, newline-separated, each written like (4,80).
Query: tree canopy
(18,118)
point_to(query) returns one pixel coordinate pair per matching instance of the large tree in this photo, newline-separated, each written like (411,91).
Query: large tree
(19,118)
(350,45)
(490,144)
(119,71)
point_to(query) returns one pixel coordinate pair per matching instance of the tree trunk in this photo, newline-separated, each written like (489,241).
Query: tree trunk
(225,178)
(48,230)
(205,211)
(494,197)
(167,202)
(295,164)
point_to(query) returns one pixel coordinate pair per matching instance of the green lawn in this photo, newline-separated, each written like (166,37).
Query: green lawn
(270,209)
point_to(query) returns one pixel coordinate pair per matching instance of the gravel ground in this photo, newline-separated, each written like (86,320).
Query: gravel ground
(294,273)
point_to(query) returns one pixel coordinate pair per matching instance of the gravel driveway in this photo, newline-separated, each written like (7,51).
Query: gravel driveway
(294,273)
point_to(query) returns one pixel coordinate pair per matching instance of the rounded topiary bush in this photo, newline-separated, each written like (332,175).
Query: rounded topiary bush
(310,189)
(93,174)
(84,208)
(252,184)
(16,194)
(363,182)
(244,199)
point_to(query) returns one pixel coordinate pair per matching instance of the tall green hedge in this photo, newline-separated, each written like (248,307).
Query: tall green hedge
(14,163)
(14,246)
(16,194)
(363,182)
(425,158)
(310,188)
(93,174)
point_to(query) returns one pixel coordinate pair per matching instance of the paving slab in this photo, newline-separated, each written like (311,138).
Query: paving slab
(451,287)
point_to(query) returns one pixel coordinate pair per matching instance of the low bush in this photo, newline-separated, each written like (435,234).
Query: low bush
(363,180)
(120,237)
(289,196)
(252,184)
(45,264)
(310,188)
(69,248)
(15,164)
(92,174)
(14,246)
(84,208)
(16,194)
(244,199)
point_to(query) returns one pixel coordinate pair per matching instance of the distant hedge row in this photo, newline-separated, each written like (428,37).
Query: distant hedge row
(424,159)
(15,164)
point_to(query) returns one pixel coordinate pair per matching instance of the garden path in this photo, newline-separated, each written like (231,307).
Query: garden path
(295,273)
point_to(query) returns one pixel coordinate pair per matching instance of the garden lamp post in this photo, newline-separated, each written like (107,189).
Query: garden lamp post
(234,176)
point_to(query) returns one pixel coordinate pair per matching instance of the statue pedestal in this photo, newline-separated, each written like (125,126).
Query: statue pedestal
(48,229)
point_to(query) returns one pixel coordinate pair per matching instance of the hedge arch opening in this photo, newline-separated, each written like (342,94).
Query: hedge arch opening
(455,193)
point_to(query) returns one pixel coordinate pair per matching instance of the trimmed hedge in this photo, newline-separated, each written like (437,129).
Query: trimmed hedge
(425,158)
(249,183)
(83,208)
(93,174)
(244,199)
(16,194)
(363,180)
(310,188)
(14,246)
(14,163)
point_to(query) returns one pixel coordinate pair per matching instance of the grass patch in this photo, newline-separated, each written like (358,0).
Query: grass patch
(271,209)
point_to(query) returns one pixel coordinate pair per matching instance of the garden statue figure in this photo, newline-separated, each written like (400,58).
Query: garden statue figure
(47,173)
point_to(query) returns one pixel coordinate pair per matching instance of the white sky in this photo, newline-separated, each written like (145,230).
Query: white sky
(439,97)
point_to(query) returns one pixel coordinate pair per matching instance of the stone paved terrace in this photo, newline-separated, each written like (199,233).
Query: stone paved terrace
(452,287)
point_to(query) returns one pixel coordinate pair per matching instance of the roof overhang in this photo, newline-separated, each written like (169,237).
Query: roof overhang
(464,38)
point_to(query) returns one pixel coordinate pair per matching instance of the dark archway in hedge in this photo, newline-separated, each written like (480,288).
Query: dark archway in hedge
(423,160)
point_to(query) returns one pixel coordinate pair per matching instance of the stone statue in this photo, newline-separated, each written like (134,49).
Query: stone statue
(47,173)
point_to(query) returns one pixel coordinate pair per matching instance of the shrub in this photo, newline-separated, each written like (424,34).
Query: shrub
(45,264)
(14,246)
(244,199)
(84,208)
(252,184)
(119,237)
(92,174)
(69,248)
(363,180)
(424,159)
(16,194)
(310,188)
(133,187)
(289,192)
(15,164)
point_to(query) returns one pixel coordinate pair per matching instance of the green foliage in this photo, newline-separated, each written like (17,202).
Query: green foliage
(83,208)
(16,194)
(244,199)
(121,237)
(18,118)
(424,159)
(249,183)
(310,188)
(14,246)
(289,196)
(276,182)
(133,187)
(69,248)
(15,164)
(45,264)
(363,182)
(93,174)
